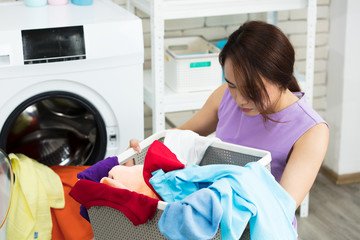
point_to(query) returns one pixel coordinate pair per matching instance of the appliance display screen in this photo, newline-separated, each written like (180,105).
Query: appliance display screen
(53,42)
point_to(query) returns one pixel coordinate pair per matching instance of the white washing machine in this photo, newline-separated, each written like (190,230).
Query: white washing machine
(71,81)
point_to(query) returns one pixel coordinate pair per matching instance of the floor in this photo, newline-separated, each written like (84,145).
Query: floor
(334,211)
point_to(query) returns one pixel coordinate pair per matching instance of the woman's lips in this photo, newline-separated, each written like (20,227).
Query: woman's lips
(246,109)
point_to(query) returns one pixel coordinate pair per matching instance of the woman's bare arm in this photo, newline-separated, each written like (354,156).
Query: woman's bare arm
(204,122)
(305,161)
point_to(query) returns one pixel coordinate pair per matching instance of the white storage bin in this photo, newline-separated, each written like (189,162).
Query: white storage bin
(111,224)
(191,64)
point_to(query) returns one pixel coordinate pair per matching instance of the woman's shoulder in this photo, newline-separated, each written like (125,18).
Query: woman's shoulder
(217,95)
(219,92)
(317,128)
(309,111)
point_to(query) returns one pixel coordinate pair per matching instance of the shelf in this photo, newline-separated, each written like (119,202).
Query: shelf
(173,101)
(176,9)
(176,102)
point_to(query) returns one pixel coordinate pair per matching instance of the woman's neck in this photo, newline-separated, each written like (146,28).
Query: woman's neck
(286,99)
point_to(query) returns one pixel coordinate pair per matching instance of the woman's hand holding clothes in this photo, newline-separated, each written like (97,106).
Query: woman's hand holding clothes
(134,144)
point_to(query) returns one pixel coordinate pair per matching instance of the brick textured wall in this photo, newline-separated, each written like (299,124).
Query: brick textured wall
(293,23)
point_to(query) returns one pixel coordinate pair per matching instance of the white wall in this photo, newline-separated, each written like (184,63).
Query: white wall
(343,104)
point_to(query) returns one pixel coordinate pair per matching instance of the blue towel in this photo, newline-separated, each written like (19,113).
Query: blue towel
(198,217)
(245,193)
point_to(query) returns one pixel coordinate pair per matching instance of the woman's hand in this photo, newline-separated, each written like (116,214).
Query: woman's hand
(134,144)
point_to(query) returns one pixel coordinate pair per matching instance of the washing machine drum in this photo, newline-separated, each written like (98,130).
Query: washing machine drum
(65,130)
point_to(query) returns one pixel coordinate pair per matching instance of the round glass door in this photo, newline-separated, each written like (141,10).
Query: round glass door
(56,128)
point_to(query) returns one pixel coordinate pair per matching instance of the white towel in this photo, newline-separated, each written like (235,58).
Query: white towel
(188,146)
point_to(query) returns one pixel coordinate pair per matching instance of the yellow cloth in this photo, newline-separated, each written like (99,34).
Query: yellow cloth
(36,189)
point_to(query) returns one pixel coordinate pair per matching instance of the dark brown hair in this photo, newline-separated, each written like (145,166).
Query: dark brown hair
(258,49)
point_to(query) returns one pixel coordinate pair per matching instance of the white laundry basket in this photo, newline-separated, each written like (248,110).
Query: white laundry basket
(191,64)
(111,224)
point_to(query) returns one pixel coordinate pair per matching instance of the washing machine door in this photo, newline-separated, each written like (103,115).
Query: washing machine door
(56,128)
(6,186)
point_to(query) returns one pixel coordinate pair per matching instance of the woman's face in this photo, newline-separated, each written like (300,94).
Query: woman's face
(246,105)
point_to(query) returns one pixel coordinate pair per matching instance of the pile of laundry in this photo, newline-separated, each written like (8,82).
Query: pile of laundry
(41,207)
(200,199)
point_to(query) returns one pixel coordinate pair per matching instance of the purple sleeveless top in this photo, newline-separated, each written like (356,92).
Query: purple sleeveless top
(236,127)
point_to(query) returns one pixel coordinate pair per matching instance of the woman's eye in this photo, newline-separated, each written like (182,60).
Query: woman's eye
(231,86)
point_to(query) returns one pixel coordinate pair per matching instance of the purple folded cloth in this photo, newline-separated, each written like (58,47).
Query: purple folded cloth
(99,170)
(95,173)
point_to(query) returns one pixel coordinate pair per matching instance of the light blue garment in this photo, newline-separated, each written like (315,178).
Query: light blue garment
(197,217)
(249,192)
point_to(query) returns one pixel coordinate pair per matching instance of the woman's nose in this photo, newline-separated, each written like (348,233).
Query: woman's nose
(241,100)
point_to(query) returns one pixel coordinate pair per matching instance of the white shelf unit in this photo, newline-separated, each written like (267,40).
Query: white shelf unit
(160,98)
(174,102)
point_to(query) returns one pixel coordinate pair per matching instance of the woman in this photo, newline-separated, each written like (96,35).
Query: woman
(261,106)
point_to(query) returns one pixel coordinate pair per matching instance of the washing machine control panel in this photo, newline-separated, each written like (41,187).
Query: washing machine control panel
(53,44)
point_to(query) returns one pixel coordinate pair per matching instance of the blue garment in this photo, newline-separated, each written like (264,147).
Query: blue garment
(198,217)
(249,192)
